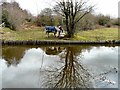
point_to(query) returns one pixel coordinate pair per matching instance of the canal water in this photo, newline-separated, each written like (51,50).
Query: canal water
(78,66)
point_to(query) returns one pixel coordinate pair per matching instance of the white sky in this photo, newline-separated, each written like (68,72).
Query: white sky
(106,7)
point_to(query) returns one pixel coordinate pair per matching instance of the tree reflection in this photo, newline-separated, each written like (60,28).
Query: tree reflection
(68,72)
(53,50)
(13,55)
(72,74)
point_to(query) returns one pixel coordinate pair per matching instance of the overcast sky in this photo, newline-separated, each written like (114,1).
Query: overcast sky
(106,7)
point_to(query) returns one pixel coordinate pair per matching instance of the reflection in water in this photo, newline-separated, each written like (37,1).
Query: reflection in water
(103,62)
(53,50)
(13,54)
(59,67)
(71,75)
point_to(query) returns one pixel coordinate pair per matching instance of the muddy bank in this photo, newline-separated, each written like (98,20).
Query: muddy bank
(49,42)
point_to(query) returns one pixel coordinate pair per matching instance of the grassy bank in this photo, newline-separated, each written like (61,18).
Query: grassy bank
(98,34)
(39,34)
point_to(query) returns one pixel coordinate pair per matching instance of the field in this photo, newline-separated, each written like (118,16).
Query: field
(39,34)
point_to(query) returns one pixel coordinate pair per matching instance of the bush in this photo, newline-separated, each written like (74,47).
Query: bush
(87,23)
(116,22)
(103,20)
(108,25)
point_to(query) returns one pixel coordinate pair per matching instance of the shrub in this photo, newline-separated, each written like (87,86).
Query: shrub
(103,20)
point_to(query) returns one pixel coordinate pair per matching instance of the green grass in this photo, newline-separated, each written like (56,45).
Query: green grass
(39,34)
(36,34)
(97,34)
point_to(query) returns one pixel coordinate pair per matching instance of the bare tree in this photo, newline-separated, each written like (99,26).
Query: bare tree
(73,11)
(45,17)
(13,15)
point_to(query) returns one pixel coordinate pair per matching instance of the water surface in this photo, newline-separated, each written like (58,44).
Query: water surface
(59,67)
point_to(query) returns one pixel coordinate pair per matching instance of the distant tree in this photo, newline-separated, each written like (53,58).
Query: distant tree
(5,18)
(103,20)
(73,11)
(58,20)
(47,11)
(116,21)
(45,17)
(87,23)
(28,15)
(13,15)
